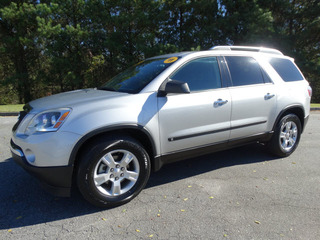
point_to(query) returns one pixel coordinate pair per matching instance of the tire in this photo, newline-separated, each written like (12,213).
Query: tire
(286,136)
(112,171)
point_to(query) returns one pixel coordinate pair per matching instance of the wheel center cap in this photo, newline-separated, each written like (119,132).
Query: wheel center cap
(287,136)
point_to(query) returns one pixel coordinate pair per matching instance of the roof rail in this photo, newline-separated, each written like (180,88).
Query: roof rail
(245,48)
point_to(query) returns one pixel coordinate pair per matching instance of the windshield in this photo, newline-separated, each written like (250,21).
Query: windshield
(135,78)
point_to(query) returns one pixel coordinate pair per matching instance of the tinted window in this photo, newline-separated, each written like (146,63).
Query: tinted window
(286,69)
(200,74)
(244,70)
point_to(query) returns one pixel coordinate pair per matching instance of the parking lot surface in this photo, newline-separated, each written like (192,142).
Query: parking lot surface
(244,193)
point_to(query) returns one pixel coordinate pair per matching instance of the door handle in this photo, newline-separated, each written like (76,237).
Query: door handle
(220,102)
(268,96)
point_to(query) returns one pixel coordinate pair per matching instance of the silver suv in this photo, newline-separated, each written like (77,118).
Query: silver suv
(166,108)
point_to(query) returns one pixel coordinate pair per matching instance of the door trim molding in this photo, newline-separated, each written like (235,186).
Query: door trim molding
(172,139)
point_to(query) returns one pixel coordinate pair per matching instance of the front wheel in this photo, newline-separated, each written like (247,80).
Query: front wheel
(113,171)
(286,136)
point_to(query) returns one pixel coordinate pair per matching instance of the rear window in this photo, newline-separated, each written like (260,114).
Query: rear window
(286,69)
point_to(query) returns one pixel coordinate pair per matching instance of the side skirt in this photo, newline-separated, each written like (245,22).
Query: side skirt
(159,161)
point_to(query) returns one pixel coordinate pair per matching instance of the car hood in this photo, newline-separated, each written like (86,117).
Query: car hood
(72,98)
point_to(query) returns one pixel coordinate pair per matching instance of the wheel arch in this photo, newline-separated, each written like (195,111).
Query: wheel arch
(295,109)
(134,131)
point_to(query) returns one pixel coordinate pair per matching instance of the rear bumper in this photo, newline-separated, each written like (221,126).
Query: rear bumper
(56,180)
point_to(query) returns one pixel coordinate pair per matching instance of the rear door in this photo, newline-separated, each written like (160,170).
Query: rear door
(200,118)
(253,97)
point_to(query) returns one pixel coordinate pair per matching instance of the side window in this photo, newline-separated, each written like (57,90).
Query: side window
(286,69)
(244,70)
(200,74)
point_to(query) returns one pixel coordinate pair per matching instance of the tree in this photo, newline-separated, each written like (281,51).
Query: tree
(51,46)
(296,31)
(19,41)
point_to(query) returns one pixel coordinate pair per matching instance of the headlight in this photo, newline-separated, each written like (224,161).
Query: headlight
(48,121)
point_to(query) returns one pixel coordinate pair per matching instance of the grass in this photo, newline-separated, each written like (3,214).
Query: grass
(11,108)
(315,105)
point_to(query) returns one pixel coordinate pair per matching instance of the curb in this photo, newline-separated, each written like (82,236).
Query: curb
(12,114)
(8,114)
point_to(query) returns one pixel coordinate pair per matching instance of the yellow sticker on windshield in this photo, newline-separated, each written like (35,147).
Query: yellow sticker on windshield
(171,60)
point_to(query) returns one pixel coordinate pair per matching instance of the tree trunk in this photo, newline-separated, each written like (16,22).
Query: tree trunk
(23,81)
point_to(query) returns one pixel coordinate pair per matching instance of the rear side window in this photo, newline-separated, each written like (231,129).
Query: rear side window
(200,74)
(286,69)
(244,70)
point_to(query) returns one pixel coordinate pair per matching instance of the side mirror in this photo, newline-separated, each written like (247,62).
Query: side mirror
(173,86)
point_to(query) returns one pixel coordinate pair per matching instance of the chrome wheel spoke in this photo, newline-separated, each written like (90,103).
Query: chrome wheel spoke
(131,176)
(116,188)
(288,126)
(282,135)
(291,142)
(126,159)
(284,144)
(294,132)
(101,179)
(108,160)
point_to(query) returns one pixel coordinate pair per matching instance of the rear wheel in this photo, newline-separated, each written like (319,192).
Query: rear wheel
(286,136)
(113,171)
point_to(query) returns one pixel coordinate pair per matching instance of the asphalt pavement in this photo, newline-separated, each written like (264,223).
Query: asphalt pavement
(244,193)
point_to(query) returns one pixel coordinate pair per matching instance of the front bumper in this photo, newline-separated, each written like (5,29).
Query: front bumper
(56,180)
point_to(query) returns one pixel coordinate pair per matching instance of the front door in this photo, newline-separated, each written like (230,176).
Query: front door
(197,119)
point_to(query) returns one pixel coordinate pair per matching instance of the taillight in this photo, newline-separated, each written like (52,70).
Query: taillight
(309,91)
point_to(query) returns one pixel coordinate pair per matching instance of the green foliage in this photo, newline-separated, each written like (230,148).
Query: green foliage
(58,45)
